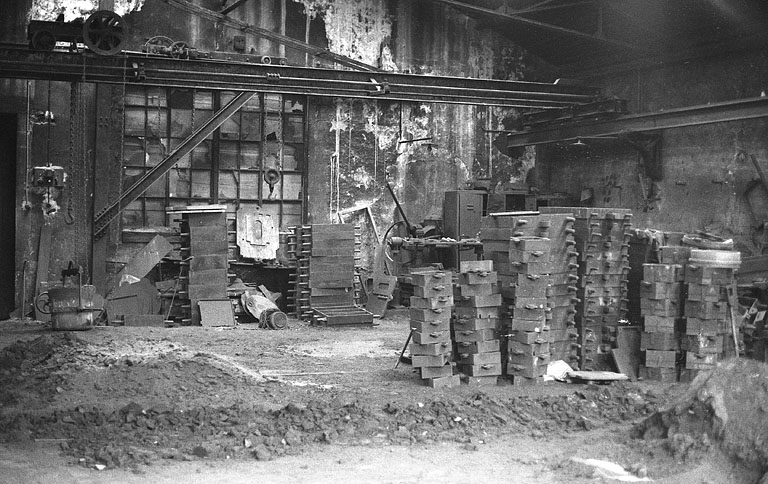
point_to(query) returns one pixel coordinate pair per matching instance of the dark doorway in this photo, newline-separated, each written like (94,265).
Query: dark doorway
(8,126)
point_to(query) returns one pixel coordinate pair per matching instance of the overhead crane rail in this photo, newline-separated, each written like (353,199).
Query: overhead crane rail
(18,62)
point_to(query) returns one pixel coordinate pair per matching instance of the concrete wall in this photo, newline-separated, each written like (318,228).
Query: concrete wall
(368,140)
(706,169)
(362,138)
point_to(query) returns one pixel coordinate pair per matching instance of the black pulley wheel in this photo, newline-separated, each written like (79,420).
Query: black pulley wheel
(104,32)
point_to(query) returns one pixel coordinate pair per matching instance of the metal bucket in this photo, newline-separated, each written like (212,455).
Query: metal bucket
(71,308)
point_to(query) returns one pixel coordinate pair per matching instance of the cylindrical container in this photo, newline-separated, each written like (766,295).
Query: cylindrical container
(70,311)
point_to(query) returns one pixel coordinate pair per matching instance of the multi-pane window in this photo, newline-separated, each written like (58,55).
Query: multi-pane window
(256,157)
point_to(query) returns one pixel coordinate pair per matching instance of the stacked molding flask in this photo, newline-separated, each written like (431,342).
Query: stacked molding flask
(324,290)
(661,305)
(536,263)
(602,242)
(529,341)
(685,301)
(711,289)
(430,315)
(475,323)
(205,255)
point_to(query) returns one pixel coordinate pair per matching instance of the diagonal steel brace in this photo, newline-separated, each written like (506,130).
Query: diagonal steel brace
(102,219)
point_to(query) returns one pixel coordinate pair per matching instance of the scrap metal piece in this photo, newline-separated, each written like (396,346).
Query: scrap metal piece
(257,236)
(216,312)
(264,310)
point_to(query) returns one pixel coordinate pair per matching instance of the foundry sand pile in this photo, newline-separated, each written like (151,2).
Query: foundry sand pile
(94,400)
(726,407)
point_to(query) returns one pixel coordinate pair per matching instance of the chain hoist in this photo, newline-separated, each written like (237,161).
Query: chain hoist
(69,214)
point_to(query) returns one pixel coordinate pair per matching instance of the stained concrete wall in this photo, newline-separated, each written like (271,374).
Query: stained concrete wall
(362,138)
(370,138)
(705,169)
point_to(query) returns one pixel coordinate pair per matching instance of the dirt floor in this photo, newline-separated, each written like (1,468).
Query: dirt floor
(308,404)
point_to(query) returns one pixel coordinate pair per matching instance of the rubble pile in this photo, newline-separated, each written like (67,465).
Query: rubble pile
(134,435)
(28,366)
(128,404)
(724,409)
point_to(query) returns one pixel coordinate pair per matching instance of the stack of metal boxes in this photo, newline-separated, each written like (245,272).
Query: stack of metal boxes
(710,279)
(324,286)
(430,315)
(661,305)
(525,286)
(528,345)
(602,241)
(562,293)
(475,323)
(204,254)
(299,247)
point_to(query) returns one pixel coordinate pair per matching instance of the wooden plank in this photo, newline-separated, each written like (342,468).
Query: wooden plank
(147,258)
(144,236)
(208,233)
(330,284)
(597,375)
(216,312)
(197,209)
(208,262)
(209,277)
(623,359)
(135,299)
(201,291)
(202,247)
(337,251)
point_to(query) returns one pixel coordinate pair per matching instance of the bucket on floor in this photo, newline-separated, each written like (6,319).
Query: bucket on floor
(71,308)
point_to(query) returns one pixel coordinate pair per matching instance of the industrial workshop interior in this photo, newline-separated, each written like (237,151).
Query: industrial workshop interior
(384,241)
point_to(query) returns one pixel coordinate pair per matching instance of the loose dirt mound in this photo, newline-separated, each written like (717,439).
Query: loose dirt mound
(122,404)
(138,435)
(727,409)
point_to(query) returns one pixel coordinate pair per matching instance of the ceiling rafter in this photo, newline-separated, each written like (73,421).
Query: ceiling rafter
(545,6)
(235,5)
(535,23)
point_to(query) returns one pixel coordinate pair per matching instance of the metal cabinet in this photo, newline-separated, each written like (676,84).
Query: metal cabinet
(462,211)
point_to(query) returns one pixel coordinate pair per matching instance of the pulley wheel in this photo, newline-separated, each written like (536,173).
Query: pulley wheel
(159,44)
(180,50)
(104,32)
(43,40)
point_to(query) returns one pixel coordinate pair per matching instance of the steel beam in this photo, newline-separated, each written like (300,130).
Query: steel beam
(142,69)
(229,8)
(268,34)
(108,214)
(739,110)
(516,18)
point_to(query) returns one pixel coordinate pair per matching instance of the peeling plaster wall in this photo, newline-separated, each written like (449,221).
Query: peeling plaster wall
(422,38)
(72,9)
(706,169)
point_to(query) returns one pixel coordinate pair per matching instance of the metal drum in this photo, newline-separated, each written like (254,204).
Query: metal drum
(71,308)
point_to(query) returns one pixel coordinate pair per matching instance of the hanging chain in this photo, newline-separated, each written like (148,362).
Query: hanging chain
(69,215)
(82,164)
(121,110)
